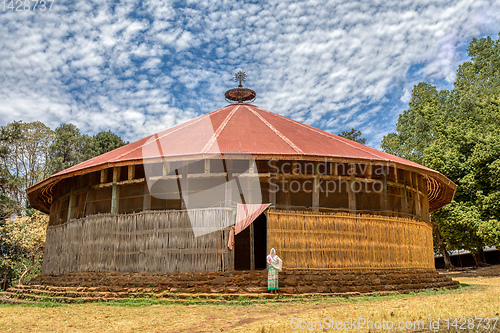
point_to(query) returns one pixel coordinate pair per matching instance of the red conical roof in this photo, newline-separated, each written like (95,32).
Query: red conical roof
(246,129)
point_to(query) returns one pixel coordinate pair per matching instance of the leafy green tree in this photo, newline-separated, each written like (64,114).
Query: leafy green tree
(7,181)
(353,135)
(469,150)
(7,205)
(67,149)
(23,158)
(29,152)
(101,143)
(70,147)
(458,224)
(25,239)
(416,129)
(418,126)
(458,134)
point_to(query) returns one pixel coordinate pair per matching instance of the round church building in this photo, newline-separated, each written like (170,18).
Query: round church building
(216,193)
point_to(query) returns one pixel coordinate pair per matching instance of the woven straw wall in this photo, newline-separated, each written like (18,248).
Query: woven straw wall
(311,241)
(159,241)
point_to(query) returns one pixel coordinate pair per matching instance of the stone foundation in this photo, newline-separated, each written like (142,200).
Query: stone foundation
(290,282)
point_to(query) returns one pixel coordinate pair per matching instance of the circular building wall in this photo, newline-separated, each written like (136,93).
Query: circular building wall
(166,203)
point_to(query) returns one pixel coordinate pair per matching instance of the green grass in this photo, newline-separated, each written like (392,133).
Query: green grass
(477,297)
(152,299)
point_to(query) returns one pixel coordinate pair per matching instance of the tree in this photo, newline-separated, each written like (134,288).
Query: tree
(469,150)
(416,129)
(101,143)
(25,237)
(458,223)
(458,134)
(7,205)
(418,126)
(67,149)
(23,157)
(353,135)
(29,152)
(70,147)
(7,181)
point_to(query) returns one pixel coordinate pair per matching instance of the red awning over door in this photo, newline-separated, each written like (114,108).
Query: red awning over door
(245,215)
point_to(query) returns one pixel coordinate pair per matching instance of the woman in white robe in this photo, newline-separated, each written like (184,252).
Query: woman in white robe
(275,265)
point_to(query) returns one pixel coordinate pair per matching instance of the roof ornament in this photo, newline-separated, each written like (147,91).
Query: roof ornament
(240,94)
(240,76)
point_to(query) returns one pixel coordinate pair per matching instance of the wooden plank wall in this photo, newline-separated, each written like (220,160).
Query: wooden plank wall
(308,240)
(156,241)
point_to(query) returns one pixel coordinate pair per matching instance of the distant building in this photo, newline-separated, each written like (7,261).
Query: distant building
(463,258)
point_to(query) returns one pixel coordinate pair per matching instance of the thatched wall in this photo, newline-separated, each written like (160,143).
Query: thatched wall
(347,241)
(159,241)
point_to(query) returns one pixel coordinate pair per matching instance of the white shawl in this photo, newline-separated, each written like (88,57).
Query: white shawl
(274,260)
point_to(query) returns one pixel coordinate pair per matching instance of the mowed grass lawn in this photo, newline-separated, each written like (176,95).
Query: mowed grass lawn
(479,298)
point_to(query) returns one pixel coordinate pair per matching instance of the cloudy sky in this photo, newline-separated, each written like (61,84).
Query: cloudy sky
(138,67)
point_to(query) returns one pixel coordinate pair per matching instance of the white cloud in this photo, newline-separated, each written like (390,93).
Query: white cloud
(152,63)
(136,68)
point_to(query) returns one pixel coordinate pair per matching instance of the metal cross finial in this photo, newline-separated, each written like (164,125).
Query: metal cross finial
(240,76)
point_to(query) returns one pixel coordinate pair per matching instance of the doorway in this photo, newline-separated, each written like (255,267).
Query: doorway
(242,245)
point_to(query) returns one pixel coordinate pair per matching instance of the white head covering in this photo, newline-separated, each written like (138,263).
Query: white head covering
(274,260)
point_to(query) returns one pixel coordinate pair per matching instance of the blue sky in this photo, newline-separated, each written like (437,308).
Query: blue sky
(137,68)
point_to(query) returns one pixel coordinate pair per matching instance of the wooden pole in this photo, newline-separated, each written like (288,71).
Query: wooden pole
(295,168)
(71,201)
(286,189)
(114,199)
(315,191)
(114,193)
(185,185)
(251,166)
(315,194)
(71,206)
(233,217)
(272,188)
(146,203)
(131,172)
(418,207)
(383,198)
(252,232)
(229,190)
(412,189)
(232,260)
(207,166)
(252,247)
(405,198)
(351,195)
(166,169)
(104,173)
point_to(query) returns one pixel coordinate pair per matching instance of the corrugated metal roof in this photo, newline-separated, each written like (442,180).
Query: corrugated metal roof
(244,129)
(240,128)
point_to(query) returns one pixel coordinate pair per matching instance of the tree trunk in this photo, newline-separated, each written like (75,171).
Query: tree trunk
(442,246)
(476,259)
(5,277)
(446,256)
(481,259)
(26,271)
